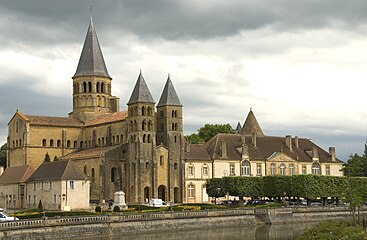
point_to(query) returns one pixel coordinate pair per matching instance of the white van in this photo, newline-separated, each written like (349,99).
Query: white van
(156,202)
(4,217)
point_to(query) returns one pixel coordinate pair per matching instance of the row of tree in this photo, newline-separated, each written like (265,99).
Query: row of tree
(305,186)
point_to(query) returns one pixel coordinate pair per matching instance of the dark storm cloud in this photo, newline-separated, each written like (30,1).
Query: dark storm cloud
(36,21)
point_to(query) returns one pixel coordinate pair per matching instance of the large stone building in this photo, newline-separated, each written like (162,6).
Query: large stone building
(142,150)
(251,153)
(139,150)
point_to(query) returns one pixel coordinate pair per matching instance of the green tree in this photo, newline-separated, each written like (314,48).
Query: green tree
(194,138)
(356,166)
(3,155)
(208,131)
(47,157)
(365,150)
(55,158)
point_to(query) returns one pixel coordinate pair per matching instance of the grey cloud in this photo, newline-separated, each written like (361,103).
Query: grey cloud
(172,19)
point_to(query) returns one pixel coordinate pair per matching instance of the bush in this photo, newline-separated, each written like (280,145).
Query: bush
(116,209)
(98,209)
(331,230)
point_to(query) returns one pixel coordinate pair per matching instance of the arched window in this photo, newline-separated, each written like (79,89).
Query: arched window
(84,87)
(85,169)
(175,165)
(272,169)
(122,138)
(161,160)
(282,169)
(245,168)
(173,113)
(291,169)
(117,139)
(149,125)
(93,175)
(102,88)
(191,190)
(113,174)
(148,138)
(149,111)
(43,143)
(51,143)
(143,111)
(75,144)
(173,126)
(16,143)
(98,84)
(68,143)
(135,125)
(103,141)
(58,143)
(20,142)
(99,141)
(175,139)
(89,87)
(144,137)
(147,165)
(143,124)
(113,139)
(316,168)
(81,144)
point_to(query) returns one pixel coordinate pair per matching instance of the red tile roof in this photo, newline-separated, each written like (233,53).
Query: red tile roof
(54,121)
(16,174)
(108,118)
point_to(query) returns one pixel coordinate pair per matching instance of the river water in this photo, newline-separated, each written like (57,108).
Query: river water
(259,232)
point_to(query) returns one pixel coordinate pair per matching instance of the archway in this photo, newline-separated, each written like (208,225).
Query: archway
(162,191)
(176,195)
(146,194)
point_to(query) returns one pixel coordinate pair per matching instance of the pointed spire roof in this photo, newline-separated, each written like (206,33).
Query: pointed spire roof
(251,125)
(238,128)
(169,96)
(91,62)
(141,92)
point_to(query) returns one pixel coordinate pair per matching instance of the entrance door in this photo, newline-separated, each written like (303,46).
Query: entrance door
(162,192)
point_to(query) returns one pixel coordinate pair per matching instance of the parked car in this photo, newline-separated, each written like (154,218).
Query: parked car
(316,204)
(5,218)
(254,202)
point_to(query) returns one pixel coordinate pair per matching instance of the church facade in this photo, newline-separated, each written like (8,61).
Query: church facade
(139,151)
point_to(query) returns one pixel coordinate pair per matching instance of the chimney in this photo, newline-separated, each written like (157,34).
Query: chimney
(296,141)
(1,170)
(315,154)
(187,145)
(223,148)
(288,141)
(254,139)
(332,154)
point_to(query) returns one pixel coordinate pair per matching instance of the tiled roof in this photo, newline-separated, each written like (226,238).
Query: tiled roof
(91,62)
(54,121)
(265,147)
(251,125)
(16,174)
(87,153)
(197,152)
(108,118)
(141,92)
(59,170)
(169,96)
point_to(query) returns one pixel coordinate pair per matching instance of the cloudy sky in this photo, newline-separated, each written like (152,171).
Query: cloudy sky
(300,65)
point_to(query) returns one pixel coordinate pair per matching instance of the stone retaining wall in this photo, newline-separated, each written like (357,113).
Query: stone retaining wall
(64,228)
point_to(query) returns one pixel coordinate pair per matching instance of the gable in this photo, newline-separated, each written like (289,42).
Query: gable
(280,157)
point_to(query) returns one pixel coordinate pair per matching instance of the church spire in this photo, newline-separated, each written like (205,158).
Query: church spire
(91,62)
(252,126)
(169,96)
(141,92)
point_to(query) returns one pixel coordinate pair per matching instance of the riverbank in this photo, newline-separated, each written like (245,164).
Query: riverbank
(106,225)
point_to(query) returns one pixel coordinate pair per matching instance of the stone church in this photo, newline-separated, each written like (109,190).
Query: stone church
(140,150)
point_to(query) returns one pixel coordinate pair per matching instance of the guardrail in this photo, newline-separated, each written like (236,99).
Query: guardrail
(57,221)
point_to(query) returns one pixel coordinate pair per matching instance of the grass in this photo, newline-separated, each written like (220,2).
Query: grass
(334,230)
